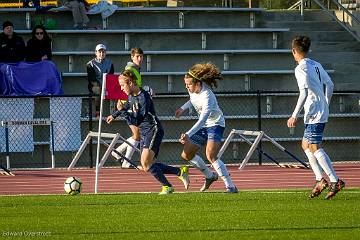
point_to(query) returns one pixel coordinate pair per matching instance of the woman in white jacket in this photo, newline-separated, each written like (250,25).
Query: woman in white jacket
(209,128)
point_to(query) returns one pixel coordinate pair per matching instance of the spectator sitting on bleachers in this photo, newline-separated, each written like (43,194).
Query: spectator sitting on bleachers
(95,70)
(38,48)
(12,46)
(78,9)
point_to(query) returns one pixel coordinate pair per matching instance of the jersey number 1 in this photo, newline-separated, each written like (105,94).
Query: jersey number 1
(318,73)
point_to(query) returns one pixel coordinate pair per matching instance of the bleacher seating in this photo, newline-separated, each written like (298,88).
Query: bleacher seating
(253,54)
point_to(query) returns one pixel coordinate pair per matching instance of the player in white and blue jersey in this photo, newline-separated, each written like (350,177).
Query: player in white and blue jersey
(140,110)
(311,79)
(209,128)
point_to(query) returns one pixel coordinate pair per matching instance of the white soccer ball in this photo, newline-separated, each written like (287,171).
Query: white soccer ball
(72,185)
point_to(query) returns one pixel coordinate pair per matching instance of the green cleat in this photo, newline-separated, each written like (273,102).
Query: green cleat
(165,190)
(184,176)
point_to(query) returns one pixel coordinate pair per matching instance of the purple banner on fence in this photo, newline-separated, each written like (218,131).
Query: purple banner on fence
(23,78)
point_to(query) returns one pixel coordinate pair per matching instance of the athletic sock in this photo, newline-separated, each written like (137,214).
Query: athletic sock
(314,164)
(129,152)
(155,170)
(326,164)
(221,170)
(166,169)
(198,163)
(121,148)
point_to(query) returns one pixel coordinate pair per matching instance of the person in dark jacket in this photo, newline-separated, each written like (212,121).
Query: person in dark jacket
(39,46)
(12,46)
(95,69)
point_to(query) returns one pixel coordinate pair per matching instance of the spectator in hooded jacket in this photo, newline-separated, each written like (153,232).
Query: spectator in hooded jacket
(39,46)
(12,46)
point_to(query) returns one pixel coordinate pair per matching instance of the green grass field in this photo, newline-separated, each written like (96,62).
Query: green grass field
(247,215)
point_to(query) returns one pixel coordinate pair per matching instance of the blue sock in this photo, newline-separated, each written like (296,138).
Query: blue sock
(166,169)
(156,171)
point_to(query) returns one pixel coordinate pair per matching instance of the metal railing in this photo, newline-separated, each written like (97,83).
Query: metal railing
(257,111)
(346,14)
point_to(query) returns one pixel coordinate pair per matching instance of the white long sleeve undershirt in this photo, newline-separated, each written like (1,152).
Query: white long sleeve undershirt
(300,102)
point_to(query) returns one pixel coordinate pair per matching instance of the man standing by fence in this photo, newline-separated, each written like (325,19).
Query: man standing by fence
(95,69)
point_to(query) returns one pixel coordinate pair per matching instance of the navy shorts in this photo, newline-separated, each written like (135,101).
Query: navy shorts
(314,133)
(152,140)
(214,133)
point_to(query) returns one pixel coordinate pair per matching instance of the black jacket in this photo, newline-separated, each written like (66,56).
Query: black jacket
(11,50)
(36,49)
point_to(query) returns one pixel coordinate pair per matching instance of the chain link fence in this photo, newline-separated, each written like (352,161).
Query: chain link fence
(40,132)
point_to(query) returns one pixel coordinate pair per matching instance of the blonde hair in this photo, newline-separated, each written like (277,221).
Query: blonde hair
(205,72)
(129,75)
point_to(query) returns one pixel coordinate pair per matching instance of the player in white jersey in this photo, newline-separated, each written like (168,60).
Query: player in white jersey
(209,128)
(311,78)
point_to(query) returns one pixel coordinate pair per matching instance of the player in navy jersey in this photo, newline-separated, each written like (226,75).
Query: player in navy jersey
(140,110)
(137,56)
(311,79)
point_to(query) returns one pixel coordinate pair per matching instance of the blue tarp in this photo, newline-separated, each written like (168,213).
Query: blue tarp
(23,78)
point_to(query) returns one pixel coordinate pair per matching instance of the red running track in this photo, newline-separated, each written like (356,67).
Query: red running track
(50,181)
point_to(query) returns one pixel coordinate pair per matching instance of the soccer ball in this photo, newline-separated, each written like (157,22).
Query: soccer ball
(72,185)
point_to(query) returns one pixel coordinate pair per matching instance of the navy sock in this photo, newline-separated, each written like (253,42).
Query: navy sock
(156,171)
(166,169)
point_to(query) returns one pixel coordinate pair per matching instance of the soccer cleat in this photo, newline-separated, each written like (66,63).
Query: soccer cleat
(166,190)
(184,176)
(335,187)
(209,181)
(318,188)
(231,190)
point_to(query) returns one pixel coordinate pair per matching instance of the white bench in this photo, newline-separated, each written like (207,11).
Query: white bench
(246,73)
(71,54)
(177,52)
(27,12)
(180,10)
(202,31)
(161,30)
(180,73)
